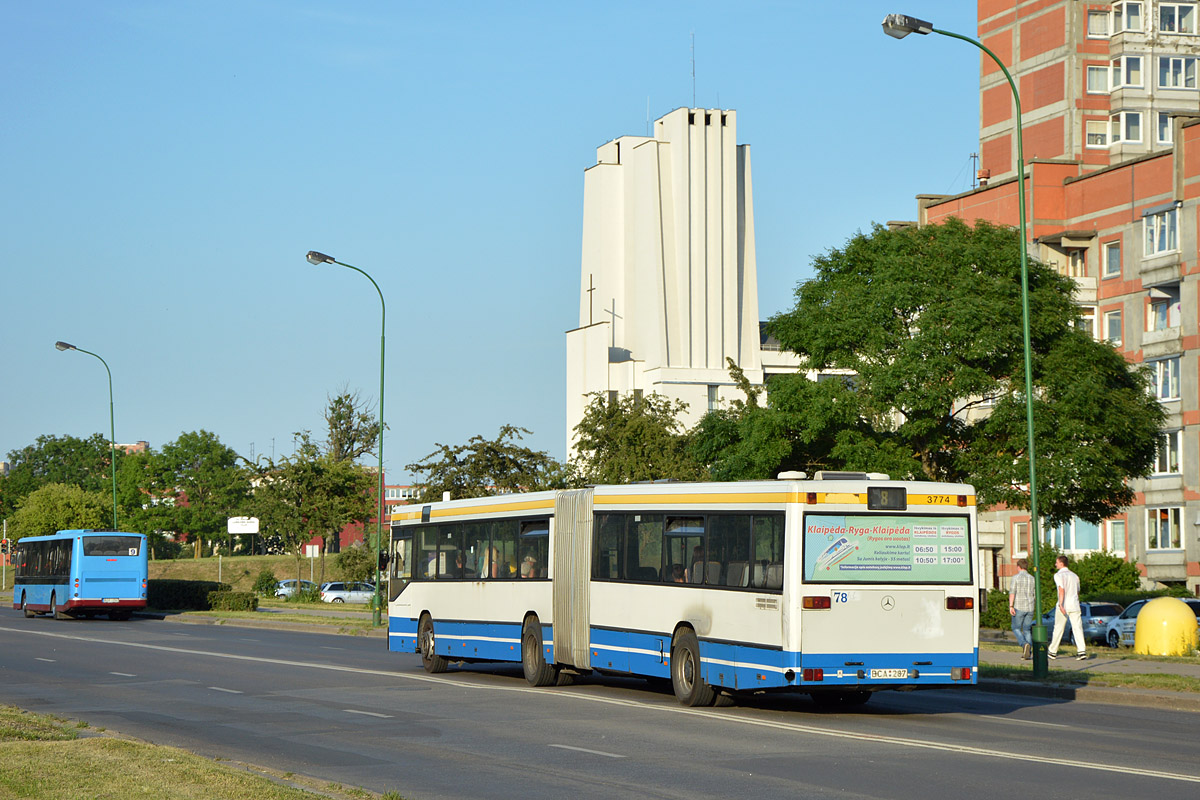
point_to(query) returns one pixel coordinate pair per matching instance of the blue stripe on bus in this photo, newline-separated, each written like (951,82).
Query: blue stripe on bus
(742,667)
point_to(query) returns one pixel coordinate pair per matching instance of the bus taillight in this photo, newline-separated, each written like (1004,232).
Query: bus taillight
(812,674)
(960,673)
(960,603)
(816,601)
(962,501)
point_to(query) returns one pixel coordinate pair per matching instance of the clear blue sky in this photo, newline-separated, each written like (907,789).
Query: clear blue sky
(168,165)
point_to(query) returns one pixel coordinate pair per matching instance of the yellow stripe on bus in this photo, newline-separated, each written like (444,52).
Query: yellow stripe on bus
(488,508)
(693,499)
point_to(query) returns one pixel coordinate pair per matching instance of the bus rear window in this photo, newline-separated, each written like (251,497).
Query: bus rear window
(112,545)
(885,548)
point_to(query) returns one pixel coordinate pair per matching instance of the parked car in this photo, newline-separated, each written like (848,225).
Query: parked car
(347,592)
(1096,617)
(288,588)
(1120,631)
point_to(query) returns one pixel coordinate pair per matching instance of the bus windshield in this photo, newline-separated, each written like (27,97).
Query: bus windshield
(877,548)
(111,545)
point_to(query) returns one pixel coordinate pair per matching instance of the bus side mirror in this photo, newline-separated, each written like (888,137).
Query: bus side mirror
(384,558)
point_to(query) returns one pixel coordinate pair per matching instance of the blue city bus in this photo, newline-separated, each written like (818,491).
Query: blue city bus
(81,573)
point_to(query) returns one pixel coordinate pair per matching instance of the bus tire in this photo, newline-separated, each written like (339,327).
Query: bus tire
(533,660)
(25,607)
(54,607)
(432,662)
(686,673)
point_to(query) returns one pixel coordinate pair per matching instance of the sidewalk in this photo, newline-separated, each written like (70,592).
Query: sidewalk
(1102,661)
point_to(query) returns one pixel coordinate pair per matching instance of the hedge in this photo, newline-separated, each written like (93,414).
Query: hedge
(233,601)
(175,595)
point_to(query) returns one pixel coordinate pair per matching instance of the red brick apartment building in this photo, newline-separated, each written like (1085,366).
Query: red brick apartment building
(1111,112)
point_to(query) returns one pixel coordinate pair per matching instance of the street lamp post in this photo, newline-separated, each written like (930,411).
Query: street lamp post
(899,26)
(112,428)
(317,259)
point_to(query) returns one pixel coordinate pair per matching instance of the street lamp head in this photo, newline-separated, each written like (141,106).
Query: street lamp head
(319,258)
(901,25)
(63,346)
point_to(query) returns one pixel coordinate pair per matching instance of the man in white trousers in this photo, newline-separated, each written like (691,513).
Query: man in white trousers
(1068,608)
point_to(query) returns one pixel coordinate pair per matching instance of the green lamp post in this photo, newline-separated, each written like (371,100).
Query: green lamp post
(899,26)
(317,259)
(111,425)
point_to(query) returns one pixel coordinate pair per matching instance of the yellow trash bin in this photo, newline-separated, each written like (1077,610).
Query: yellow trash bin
(1166,626)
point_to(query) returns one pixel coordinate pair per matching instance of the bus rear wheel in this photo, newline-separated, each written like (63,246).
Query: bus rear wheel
(54,607)
(533,659)
(432,662)
(686,674)
(25,607)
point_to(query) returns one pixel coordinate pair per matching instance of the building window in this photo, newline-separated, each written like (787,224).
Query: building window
(1163,313)
(1126,127)
(1165,132)
(713,401)
(1087,321)
(1112,259)
(1127,16)
(1097,133)
(1176,72)
(1077,534)
(1116,536)
(1020,538)
(1166,462)
(1097,24)
(1097,79)
(1166,378)
(1126,71)
(1177,17)
(1163,530)
(1112,327)
(1160,232)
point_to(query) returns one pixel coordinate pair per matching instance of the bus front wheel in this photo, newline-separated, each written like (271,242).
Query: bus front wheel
(432,662)
(533,659)
(25,607)
(686,676)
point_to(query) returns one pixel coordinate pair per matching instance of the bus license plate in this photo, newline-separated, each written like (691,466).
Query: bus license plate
(110,600)
(877,674)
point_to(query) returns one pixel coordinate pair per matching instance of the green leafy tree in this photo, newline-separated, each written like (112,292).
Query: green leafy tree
(59,506)
(353,428)
(484,467)
(1102,571)
(924,325)
(356,563)
(53,459)
(198,485)
(633,439)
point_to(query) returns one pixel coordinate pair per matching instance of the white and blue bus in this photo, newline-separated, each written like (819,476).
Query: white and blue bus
(81,573)
(838,586)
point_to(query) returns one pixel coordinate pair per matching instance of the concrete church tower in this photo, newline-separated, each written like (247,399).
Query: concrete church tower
(668,283)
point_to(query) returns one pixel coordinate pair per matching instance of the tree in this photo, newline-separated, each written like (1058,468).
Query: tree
(353,429)
(924,325)
(199,485)
(356,563)
(1102,571)
(483,467)
(633,438)
(52,459)
(59,507)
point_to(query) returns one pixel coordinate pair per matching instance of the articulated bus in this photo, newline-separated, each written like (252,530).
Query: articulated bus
(81,573)
(838,586)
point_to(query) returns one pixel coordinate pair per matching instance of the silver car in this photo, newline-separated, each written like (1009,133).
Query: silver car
(347,592)
(1095,617)
(1122,629)
(288,588)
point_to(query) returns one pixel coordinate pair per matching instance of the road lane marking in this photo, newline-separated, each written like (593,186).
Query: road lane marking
(227,691)
(123,674)
(585,750)
(47,660)
(791,727)
(996,718)
(367,713)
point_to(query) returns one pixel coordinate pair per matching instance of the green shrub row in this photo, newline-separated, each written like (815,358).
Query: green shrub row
(173,595)
(233,601)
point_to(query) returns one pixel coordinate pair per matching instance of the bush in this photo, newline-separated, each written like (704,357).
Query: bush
(182,595)
(233,601)
(308,594)
(356,563)
(266,582)
(996,614)
(1105,572)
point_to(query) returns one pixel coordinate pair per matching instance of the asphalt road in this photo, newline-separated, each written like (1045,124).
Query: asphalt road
(342,709)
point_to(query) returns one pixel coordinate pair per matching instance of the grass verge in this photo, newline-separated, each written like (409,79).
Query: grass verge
(1127,680)
(48,758)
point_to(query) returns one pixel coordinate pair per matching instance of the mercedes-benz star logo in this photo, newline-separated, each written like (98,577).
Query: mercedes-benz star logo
(888,602)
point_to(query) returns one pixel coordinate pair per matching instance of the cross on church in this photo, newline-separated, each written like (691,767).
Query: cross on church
(590,289)
(615,317)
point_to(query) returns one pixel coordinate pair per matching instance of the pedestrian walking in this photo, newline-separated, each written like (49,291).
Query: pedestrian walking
(1067,608)
(1020,607)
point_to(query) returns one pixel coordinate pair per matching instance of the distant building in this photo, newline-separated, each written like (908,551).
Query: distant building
(136,447)
(668,278)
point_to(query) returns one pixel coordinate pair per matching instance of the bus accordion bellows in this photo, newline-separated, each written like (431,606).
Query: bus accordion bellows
(81,573)
(838,586)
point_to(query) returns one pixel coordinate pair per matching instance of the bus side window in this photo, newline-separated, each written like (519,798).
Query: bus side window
(506,535)
(643,547)
(427,542)
(729,549)
(768,552)
(606,560)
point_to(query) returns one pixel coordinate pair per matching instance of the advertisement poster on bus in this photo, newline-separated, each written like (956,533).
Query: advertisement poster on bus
(849,548)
